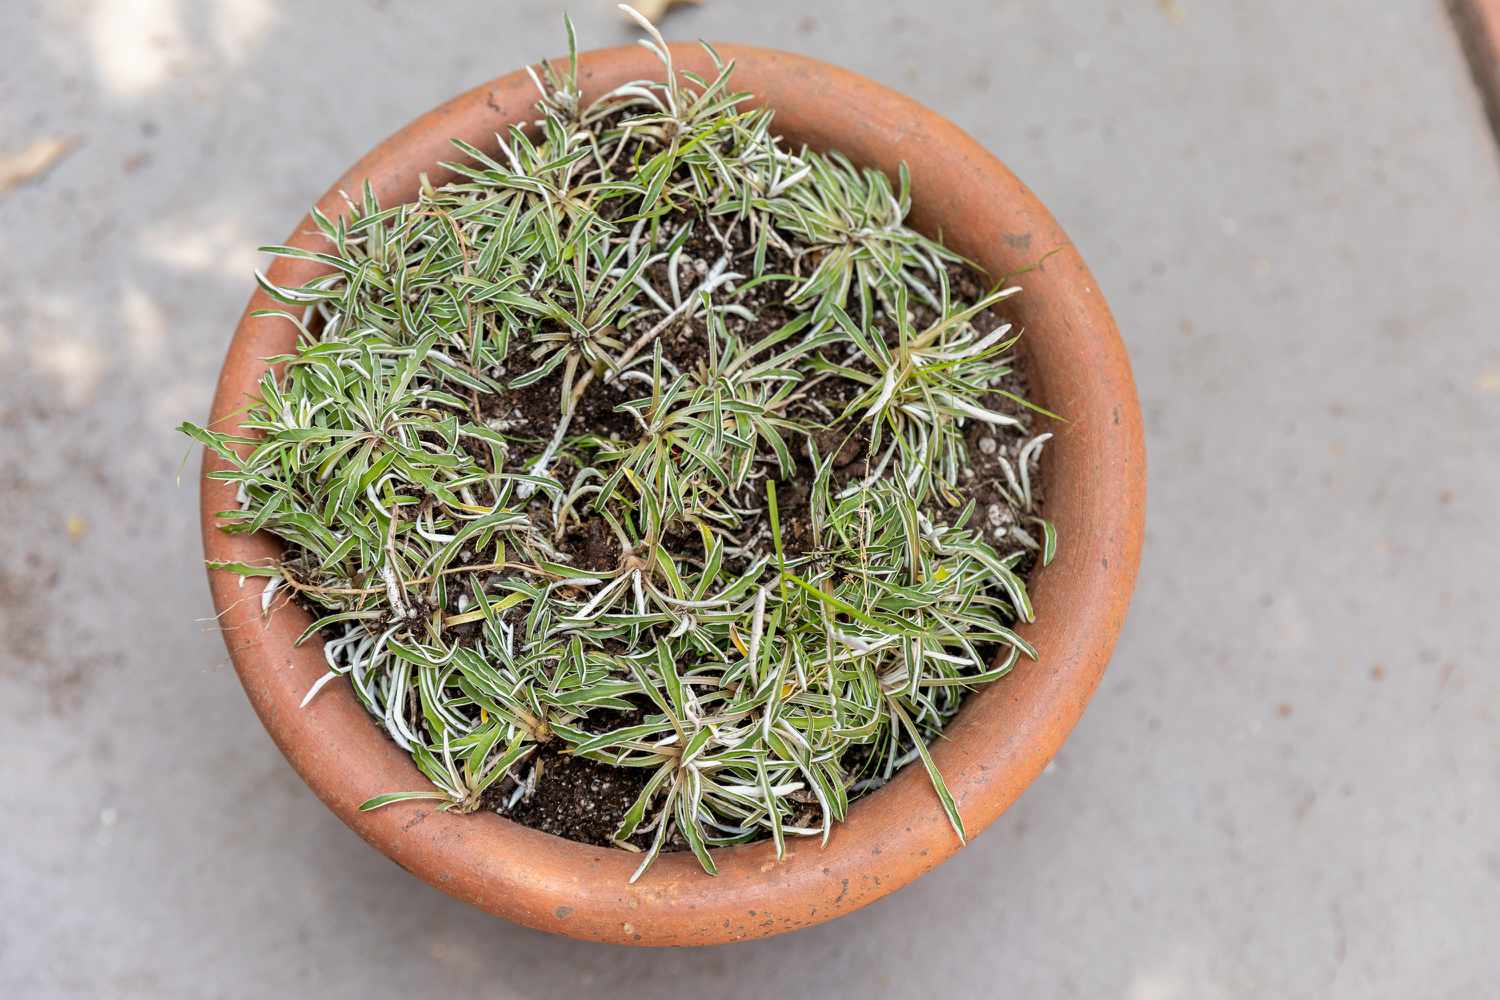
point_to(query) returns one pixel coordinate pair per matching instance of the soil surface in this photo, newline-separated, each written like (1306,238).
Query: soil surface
(573,797)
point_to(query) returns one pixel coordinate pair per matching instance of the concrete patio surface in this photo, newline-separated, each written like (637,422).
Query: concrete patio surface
(1288,784)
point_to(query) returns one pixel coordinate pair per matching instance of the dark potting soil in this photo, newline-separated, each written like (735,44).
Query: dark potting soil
(573,797)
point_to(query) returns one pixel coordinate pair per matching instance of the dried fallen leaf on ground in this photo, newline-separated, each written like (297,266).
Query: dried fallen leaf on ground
(34,161)
(655,10)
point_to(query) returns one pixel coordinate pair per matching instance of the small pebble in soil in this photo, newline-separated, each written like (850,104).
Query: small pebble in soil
(987,445)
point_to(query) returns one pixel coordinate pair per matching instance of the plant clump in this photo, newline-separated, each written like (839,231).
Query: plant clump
(652,455)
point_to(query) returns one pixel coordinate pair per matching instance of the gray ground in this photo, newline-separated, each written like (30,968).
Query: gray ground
(1287,784)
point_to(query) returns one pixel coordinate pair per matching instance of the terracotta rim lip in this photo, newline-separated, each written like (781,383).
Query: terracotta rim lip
(1006,733)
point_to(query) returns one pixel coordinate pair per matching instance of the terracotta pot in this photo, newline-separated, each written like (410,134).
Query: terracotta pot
(1095,479)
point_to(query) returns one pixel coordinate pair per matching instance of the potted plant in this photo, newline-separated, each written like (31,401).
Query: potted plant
(653,481)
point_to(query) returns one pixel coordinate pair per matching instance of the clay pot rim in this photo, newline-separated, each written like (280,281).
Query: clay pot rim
(1006,733)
